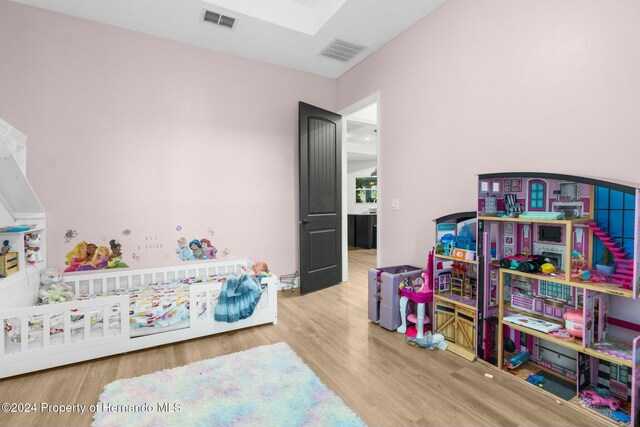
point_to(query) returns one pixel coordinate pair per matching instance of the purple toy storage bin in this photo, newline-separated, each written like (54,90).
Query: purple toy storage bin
(384,298)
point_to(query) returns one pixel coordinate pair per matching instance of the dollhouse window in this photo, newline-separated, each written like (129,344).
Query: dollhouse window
(623,375)
(619,373)
(537,195)
(554,290)
(616,211)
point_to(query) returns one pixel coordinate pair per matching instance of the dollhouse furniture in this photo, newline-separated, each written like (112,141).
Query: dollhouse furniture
(594,329)
(384,293)
(455,289)
(36,337)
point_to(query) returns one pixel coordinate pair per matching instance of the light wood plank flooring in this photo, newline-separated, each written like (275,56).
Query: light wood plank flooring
(382,378)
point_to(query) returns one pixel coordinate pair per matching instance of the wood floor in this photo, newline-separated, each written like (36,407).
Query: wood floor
(377,374)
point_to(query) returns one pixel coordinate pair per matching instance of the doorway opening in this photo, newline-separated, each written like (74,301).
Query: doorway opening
(361,184)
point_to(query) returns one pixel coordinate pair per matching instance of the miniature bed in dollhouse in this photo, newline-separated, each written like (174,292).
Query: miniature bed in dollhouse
(542,308)
(113,311)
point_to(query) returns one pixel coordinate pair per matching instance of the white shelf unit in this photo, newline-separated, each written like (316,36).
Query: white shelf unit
(19,205)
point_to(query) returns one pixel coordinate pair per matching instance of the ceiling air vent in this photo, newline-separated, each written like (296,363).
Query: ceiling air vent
(342,49)
(219,19)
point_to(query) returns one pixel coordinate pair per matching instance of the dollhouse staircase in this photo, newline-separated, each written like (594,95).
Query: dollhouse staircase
(623,266)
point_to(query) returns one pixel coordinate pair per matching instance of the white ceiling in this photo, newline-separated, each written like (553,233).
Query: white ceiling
(290,33)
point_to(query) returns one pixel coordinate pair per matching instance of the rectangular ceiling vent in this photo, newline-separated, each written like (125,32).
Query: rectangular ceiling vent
(342,49)
(219,19)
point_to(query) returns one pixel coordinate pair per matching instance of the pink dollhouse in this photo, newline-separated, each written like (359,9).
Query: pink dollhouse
(585,232)
(570,222)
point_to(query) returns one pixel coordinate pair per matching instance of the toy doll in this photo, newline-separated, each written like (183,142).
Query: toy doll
(209,250)
(196,247)
(76,257)
(183,250)
(99,260)
(32,240)
(6,247)
(33,255)
(260,269)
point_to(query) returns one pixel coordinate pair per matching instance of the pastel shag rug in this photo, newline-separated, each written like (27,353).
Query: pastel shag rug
(264,386)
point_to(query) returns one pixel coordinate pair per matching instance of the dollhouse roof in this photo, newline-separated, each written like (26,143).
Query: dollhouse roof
(624,186)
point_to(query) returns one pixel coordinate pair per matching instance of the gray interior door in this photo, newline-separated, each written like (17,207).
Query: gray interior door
(320,198)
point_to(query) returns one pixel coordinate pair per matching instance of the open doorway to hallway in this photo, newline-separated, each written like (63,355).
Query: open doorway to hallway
(362,184)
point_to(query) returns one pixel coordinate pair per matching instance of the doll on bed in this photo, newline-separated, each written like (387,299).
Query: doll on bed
(76,257)
(260,269)
(238,298)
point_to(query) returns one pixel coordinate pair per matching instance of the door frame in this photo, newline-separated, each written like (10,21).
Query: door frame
(371,99)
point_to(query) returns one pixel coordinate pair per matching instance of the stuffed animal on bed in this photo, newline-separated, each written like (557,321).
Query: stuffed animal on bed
(53,289)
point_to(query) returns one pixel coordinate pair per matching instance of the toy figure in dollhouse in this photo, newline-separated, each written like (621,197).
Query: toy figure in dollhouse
(76,257)
(183,251)
(196,248)
(98,261)
(209,250)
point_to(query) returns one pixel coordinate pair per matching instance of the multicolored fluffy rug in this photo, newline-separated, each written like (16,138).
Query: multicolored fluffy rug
(264,386)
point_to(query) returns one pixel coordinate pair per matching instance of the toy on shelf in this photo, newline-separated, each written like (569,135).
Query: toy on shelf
(574,322)
(9,264)
(32,248)
(526,264)
(6,247)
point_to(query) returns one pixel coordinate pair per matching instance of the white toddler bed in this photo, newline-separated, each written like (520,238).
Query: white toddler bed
(45,336)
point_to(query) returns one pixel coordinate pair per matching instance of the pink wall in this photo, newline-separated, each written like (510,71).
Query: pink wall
(498,86)
(129,131)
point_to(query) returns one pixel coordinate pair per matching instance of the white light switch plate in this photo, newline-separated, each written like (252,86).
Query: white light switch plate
(395,204)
